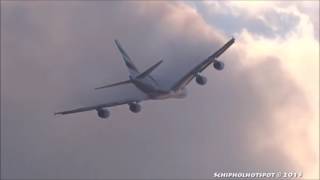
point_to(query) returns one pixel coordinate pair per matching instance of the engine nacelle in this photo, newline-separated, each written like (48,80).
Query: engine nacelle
(134,107)
(201,80)
(218,65)
(103,113)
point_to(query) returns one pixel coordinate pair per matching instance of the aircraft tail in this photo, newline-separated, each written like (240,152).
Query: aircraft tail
(138,76)
(133,71)
(149,70)
(114,84)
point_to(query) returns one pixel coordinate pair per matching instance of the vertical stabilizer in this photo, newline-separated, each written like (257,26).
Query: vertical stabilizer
(133,71)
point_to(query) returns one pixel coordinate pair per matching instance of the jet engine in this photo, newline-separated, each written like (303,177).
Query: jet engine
(134,107)
(218,65)
(201,80)
(103,113)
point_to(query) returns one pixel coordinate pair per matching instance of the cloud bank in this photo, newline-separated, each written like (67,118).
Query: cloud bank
(259,114)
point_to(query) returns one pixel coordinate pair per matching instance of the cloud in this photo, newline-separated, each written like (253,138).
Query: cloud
(55,53)
(269,18)
(297,49)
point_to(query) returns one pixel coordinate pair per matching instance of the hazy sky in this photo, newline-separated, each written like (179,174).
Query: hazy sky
(259,114)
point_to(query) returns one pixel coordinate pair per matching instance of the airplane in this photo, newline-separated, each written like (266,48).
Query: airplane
(150,87)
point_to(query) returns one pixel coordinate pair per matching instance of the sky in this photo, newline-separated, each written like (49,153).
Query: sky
(261,113)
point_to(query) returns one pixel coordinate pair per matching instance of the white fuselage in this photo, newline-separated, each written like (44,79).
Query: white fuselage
(154,91)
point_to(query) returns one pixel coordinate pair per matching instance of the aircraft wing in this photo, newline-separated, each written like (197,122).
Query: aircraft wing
(104,105)
(201,66)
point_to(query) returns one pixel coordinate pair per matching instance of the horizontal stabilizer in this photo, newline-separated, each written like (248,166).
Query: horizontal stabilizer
(115,84)
(149,70)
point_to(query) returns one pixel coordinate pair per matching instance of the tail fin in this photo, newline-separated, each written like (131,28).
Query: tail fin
(133,71)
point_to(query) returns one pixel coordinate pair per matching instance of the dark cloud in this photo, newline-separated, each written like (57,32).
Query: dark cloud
(55,53)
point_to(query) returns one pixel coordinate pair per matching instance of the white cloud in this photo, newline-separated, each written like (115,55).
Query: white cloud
(296,132)
(245,117)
